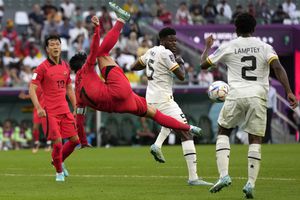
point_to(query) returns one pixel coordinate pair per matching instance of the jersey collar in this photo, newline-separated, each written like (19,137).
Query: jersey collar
(51,61)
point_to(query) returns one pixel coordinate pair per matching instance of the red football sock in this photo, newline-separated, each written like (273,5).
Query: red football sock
(170,122)
(110,39)
(80,119)
(36,135)
(68,148)
(57,157)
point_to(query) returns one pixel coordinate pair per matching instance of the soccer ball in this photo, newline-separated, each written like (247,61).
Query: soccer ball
(218,91)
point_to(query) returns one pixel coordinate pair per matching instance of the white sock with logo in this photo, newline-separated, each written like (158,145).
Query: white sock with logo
(222,154)
(254,157)
(189,152)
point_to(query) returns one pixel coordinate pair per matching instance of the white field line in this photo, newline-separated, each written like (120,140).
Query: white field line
(138,176)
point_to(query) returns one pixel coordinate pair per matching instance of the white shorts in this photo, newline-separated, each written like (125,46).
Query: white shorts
(170,108)
(248,113)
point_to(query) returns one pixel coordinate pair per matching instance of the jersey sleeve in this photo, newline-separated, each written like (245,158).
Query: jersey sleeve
(91,59)
(69,81)
(270,54)
(169,61)
(143,58)
(217,56)
(38,75)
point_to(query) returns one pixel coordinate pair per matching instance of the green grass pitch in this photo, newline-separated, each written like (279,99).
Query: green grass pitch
(131,173)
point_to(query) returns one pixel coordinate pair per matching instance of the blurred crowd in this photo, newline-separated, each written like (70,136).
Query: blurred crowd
(21,46)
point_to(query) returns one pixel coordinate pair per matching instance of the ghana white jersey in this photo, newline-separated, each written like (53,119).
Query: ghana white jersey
(160,64)
(247,60)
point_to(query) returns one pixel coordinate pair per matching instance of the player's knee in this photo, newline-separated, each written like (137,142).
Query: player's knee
(224,131)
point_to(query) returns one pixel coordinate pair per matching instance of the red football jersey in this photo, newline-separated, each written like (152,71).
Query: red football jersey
(53,79)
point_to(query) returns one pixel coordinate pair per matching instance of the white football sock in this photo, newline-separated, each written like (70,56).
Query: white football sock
(163,134)
(222,154)
(189,152)
(254,157)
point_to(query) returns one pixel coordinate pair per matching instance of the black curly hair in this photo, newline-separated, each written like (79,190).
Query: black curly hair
(166,32)
(77,61)
(245,24)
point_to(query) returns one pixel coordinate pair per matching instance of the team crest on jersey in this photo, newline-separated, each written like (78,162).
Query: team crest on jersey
(172,58)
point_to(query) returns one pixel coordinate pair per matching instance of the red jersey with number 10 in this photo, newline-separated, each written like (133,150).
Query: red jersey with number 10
(53,79)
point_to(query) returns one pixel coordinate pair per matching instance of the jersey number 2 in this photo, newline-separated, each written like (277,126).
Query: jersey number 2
(249,68)
(150,70)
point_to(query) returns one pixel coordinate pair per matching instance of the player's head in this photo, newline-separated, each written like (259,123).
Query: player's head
(77,61)
(53,45)
(245,24)
(167,37)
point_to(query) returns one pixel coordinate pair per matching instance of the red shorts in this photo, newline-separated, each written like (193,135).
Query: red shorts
(59,126)
(121,94)
(36,119)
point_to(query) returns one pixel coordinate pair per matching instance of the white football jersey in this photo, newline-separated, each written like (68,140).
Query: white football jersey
(247,59)
(159,62)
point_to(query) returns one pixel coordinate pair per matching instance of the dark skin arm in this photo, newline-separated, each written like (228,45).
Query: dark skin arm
(281,75)
(180,71)
(208,44)
(138,65)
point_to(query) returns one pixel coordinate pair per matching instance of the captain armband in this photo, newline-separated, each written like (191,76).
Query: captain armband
(81,111)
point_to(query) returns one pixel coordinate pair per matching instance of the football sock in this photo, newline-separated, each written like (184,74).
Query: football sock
(68,148)
(80,129)
(36,135)
(222,154)
(57,157)
(163,134)
(254,157)
(170,122)
(190,156)
(110,39)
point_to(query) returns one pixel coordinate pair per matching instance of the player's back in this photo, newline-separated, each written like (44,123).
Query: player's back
(160,62)
(247,59)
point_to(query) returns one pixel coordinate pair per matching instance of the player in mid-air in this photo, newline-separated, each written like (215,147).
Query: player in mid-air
(249,61)
(161,64)
(115,94)
(53,76)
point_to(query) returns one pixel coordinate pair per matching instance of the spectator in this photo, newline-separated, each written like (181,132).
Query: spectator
(88,19)
(36,19)
(263,12)
(9,32)
(165,16)
(197,18)
(130,7)
(144,12)
(290,8)
(279,15)
(192,75)
(1,11)
(32,60)
(68,8)
(25,75)
(221,18)
(144,133)
(124,60)
(132,44)
(251,9)
(210,12)
(50,28)
(64,28)
(105,20)
(49,10)
(143,48)
(205,78)
(238,10)
(11,61)
(8,131)
(227,9)
(183,16)
(195,5)
(77,16)
(4,43)
(77,30)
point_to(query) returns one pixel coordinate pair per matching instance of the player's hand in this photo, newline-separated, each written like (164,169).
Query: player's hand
(209,41)
(179,60)
(95,20)
(292,100)
(41,112)
(22,95)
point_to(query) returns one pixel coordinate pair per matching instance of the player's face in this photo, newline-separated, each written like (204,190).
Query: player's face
(54,48)
(170,43)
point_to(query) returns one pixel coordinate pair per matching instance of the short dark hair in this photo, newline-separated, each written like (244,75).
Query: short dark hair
(166,32)
(245,23)
(51,37)
(77,61)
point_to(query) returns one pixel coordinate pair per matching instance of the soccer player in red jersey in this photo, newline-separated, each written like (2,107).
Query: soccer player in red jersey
(53,75)
(115,94)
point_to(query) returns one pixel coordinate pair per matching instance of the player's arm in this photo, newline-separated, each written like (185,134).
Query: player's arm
(32,92)
(94,44)
(138,65)
(71,95)
(206,63)
(23,95)
(180,71)
(281,75)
